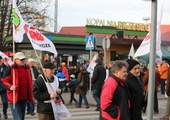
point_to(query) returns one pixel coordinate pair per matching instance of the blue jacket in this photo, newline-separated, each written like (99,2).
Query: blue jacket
(60,75)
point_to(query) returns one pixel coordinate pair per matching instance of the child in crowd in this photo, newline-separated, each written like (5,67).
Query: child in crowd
(72,86)
(62,78)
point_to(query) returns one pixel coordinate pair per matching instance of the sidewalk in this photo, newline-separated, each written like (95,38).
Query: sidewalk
(66,97)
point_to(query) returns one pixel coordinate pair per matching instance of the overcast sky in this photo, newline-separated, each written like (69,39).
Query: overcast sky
(75,12)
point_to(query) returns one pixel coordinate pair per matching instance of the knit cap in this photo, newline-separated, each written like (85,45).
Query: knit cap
(132,63)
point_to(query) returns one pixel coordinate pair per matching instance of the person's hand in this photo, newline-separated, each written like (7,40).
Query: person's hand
(53,95)
(58,91)
(13,87)
(67,84)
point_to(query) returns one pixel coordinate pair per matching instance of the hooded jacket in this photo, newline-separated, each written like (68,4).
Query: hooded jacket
(99,75)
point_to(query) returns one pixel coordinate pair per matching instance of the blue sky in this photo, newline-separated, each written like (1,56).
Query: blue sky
(75,12)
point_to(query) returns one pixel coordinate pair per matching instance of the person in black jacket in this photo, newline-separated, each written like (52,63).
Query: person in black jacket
(115,98)
(99,75)
(43,92)
(3,88)
(135,86)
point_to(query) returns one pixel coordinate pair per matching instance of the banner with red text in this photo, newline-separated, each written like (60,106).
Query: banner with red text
(38,40)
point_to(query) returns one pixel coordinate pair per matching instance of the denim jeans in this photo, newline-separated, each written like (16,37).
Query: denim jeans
(4,101)
(30,107)
(19,112)
(84,98)
(96,96)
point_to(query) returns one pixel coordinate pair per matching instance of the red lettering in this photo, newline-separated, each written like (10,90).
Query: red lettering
(35,35)
(147,37)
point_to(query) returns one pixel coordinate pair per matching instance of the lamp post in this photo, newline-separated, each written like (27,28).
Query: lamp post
(152,56)
(56,16)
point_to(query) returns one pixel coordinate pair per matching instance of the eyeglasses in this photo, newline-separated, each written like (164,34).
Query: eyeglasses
(21,59)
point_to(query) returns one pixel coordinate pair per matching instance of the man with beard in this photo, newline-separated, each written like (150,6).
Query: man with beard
(135,86)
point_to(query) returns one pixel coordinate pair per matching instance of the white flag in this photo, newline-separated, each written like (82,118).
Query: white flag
(6,58)
(158,37)
(131,52)
(92,64)
(38,40)
(144,48)
(18,24)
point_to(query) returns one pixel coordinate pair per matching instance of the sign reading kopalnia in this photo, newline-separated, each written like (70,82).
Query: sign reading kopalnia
(119,24)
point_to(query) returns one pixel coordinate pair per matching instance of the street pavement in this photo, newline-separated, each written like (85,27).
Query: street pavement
(90,114)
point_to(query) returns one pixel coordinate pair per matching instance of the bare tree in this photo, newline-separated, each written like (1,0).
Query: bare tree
(32,11)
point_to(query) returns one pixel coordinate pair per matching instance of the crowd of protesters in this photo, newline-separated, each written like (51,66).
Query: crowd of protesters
(120,95)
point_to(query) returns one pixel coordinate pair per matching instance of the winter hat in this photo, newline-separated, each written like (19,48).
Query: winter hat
(72,76)
(63,64)
(59,69)
(131,63)
(48,65)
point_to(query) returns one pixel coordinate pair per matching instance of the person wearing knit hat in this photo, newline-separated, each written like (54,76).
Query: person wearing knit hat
(132,63)
(135,85)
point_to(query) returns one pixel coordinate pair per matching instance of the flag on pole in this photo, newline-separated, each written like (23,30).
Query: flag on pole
(131,52)
(6,58)
(18,24)
(144,47)
(158,37)
(92,64)
(38,40)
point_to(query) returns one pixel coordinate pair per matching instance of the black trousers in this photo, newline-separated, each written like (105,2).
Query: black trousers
(162,82)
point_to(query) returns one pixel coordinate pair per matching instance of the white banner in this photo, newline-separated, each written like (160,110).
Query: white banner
(144,48)
(92,64)
(6,58)
(131,52)
(38,40)
(18,24)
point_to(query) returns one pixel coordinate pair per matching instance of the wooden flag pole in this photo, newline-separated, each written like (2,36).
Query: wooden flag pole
(51,89)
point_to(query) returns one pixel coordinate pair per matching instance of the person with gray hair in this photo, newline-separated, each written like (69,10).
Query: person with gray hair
(34,73)
(115,99)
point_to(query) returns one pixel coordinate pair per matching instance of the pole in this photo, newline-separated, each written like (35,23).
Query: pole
(13,79)
(152,60)
(104,51)
(56,16)
(90,76)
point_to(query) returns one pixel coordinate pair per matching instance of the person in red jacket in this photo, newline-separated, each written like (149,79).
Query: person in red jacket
(19,82)
(115,99)
(65,71)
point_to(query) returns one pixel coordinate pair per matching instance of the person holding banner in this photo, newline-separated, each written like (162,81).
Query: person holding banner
(46,87)
(19,82)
